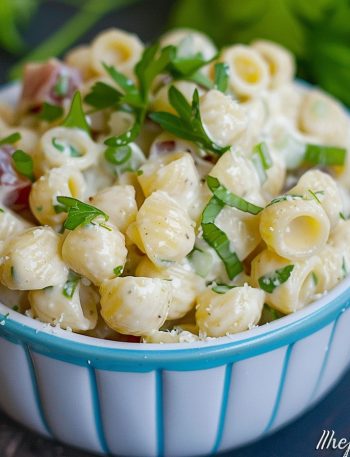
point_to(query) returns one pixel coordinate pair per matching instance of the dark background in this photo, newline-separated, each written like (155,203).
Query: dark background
(148,19)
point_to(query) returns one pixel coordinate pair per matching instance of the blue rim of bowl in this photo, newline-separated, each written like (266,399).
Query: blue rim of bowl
(84,350)
(87,351)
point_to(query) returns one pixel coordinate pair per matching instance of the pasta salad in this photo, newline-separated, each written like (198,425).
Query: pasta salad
(172,192)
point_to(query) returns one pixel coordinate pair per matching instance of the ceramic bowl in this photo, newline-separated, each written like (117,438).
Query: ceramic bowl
(172,399)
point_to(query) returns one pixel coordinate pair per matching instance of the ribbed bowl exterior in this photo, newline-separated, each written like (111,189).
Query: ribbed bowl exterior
(140,411)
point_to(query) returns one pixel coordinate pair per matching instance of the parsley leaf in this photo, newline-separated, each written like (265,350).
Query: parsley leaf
(269,282)
(188,125)
(76,117)
(131,95)
(231,199)
(61,86)
(222,73)
(103,96)
(23,164)
(71,284)
(11,139)
(50,112)
(79,213)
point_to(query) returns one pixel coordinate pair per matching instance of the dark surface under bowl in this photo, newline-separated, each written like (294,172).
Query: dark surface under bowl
(148,18)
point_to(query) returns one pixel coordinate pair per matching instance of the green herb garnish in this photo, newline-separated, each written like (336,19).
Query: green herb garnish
(11,139)
(222,73)
(71,284)
(63,147)
(23,164)
(262,160)
(283,198)
(188,124)
(103,96)
(76,117)
(314,278)
(50,113)
(217,239)
(61,87)
(118,156)
(118,270)
(269,282)
(79,213)
(231,199)
(324,155)
(222,288)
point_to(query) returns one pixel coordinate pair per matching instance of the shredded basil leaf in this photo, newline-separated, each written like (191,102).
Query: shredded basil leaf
(314,278)
(71,284)
(23,164)
(11,139)
(231,199)
(76,117)
(222,73)
(269,315)
(324,155)
(218,240)
(269,282)
(79,213)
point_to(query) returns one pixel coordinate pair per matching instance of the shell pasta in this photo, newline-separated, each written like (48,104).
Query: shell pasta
(171,192)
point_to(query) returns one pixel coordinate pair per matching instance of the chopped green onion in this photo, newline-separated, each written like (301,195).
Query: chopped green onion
(23,164)
(269,282)
(231,199)
(324,155)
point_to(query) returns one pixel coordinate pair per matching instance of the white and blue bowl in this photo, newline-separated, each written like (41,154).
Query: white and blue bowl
(172,399)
